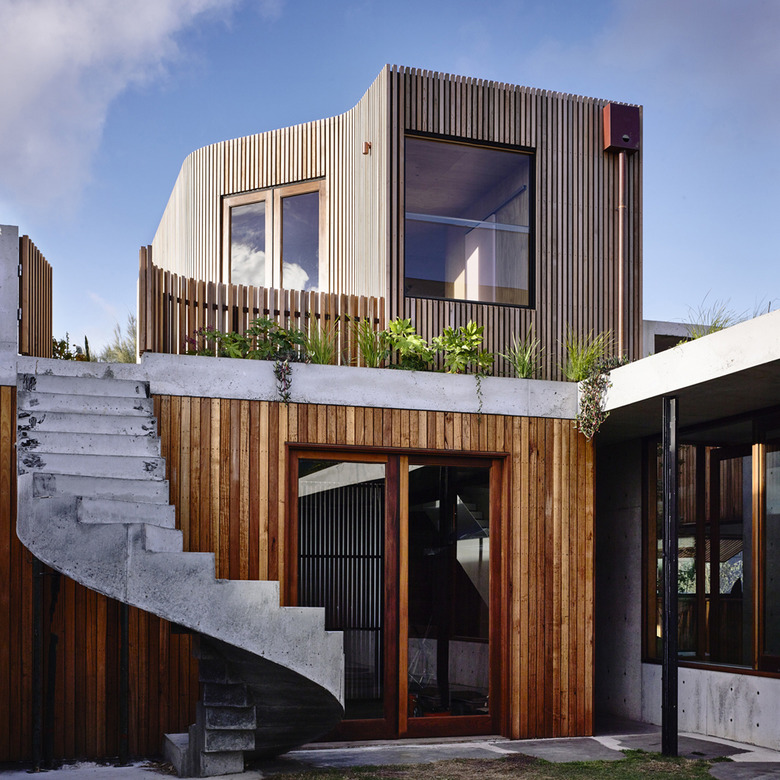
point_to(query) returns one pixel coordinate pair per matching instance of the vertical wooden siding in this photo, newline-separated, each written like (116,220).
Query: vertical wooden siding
(171,309)
(575,203)
(227,465)
(35,289)
(575,200)
(163,676)
(188,239)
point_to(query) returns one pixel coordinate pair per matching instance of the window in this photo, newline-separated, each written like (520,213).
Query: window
(728,539)
(467,222)
(276,238)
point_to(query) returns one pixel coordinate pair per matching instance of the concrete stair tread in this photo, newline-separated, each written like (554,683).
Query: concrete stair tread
(120,466)
(81,422)
(46,484)
(68,442)
(82,385)
(116,510)
(84,404)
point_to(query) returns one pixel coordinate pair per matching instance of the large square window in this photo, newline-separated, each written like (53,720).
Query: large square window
(467,226)
(277,238)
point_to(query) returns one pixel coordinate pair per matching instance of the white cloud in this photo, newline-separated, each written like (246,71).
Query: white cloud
(294,277)
(107,307)
(64,62)
(247,265)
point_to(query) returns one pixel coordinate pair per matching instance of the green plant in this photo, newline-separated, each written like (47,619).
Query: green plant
(462,348)
(525,355)
(264,339)
(62,349)
(584,353)
(322,342)
(593,389)
(410,350)
(709,318)
(371,348)
(122,348)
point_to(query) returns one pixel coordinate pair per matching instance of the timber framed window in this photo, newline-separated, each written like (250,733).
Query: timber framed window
(276,237)
(468,222)
(728,545)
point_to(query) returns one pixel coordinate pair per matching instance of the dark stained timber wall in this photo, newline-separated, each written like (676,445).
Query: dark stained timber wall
(227,464)
(84,628)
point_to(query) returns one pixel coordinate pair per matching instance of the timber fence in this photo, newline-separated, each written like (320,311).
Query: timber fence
(173,310)
(35,301)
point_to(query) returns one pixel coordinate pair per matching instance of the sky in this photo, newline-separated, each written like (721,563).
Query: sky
(101,101)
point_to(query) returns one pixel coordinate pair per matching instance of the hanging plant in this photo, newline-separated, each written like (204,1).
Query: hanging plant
(593,390)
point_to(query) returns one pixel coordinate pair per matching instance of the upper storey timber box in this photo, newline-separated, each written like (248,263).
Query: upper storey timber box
(451,198)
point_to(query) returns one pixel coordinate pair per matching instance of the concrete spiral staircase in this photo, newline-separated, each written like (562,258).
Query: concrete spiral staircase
(93,504)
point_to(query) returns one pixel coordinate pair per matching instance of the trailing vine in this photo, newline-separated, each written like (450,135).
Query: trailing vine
(593,389)
(283,374)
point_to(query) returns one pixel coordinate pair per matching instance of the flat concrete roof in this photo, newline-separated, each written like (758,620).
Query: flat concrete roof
(728,373)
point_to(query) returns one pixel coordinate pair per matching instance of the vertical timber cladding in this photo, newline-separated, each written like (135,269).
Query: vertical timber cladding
(227,465)
(188,241)
(85,627)
(576,209)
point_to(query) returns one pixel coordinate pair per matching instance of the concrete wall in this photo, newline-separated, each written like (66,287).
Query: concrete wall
(618,645)
(732,706)
(9,302)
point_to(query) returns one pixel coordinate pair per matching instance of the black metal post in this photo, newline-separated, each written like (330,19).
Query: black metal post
(669,670)
(124,681)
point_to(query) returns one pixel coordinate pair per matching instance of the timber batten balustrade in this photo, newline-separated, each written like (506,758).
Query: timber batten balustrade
(173,309)
(35,290)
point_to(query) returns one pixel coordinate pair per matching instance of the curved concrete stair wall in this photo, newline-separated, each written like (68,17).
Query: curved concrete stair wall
(93,504)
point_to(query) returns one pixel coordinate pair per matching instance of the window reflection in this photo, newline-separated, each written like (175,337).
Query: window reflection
(467,222)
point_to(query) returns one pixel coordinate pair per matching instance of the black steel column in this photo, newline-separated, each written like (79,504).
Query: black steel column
(669,671)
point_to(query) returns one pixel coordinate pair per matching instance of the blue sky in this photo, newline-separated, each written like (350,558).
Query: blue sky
(101,101)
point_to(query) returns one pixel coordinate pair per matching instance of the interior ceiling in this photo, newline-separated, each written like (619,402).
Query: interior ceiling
(452,177)
(735,394)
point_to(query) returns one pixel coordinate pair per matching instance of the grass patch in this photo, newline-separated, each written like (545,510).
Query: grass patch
(637,764)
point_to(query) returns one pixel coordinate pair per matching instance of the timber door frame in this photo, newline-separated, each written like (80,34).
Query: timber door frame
(396,723)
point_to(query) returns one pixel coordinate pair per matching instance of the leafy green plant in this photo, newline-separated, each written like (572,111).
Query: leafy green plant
(409,350)
(264,339)
(525,354)
(462,348)
(584,353)
(371,348)
(62,349)
(322,342)
(591,413)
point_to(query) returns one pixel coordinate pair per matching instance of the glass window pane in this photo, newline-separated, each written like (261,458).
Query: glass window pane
(467,222)
(772,552)
(449,591)
(247,244)
(301,241)
(341,510)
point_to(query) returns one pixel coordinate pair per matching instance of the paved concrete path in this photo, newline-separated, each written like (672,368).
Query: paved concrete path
(746,762)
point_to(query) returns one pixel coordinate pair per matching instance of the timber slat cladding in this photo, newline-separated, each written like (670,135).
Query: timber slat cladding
(35,291)
(575,227)
(235,504)
(173,310)
(575,211)
(163,675)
